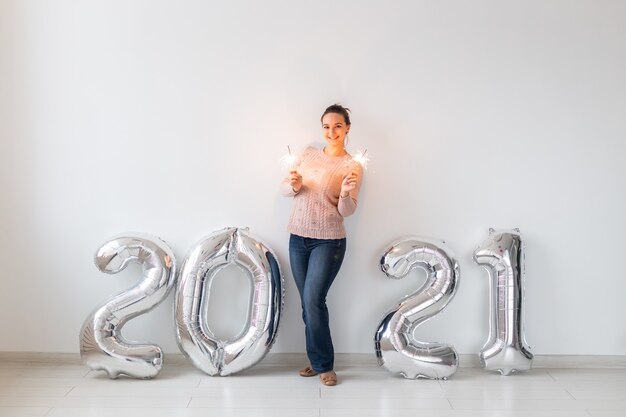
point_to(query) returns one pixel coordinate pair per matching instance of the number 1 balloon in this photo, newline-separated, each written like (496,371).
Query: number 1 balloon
(502,255)
(102,346)
(396,348)
(204,261)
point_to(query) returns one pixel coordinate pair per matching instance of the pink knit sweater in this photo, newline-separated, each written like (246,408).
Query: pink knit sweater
(318,210)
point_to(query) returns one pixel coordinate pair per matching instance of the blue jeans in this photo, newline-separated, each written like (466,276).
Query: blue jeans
(315,264)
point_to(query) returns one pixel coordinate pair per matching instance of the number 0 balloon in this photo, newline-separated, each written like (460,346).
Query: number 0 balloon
(204,261)
(101,345)
(396,348)
(502,255)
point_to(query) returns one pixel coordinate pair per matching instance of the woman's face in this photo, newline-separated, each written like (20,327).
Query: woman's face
(335,129)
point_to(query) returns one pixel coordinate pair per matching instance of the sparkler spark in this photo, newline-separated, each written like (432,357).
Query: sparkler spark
(289,161)
(361,158)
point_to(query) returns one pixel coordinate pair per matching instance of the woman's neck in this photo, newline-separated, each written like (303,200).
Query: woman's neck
(334,150)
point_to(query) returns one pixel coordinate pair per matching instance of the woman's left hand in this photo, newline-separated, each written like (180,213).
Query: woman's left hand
(348,184)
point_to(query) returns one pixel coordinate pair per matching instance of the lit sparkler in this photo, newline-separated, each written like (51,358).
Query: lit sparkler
(289,161)
(361,158)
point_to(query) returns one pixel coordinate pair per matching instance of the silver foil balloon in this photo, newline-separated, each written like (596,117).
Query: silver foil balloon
(502,255)
(204,261)
(102,346)
(396,348)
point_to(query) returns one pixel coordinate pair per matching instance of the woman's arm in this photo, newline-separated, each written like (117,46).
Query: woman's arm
(350,187)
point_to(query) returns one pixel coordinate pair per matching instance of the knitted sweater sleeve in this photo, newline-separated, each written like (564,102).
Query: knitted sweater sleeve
(347,206)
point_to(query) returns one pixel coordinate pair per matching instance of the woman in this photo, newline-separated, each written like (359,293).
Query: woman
(324,186)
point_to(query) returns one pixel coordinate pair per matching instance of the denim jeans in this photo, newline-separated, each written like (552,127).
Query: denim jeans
(315,264)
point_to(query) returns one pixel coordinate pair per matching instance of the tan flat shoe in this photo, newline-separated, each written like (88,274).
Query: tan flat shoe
(308,371)
(329,378)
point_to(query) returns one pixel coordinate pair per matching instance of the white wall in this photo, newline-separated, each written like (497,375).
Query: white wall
(170,117)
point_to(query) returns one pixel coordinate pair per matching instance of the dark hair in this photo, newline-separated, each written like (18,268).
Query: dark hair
(339,109)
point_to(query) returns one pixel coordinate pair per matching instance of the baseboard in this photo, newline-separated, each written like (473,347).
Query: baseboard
(342,359)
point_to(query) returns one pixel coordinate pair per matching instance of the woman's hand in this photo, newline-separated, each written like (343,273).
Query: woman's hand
(348,184)
(295,180)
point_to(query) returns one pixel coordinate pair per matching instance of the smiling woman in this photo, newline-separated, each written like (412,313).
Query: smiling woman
(325,187)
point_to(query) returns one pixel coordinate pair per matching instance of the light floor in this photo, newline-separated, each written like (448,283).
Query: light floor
(274,389)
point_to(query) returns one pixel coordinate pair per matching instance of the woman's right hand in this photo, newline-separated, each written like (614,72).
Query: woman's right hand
(295,180)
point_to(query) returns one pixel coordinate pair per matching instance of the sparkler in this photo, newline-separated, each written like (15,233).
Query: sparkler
(289,161)
(361,158)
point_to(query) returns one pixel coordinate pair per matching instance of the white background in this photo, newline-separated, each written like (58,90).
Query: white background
(170,118)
